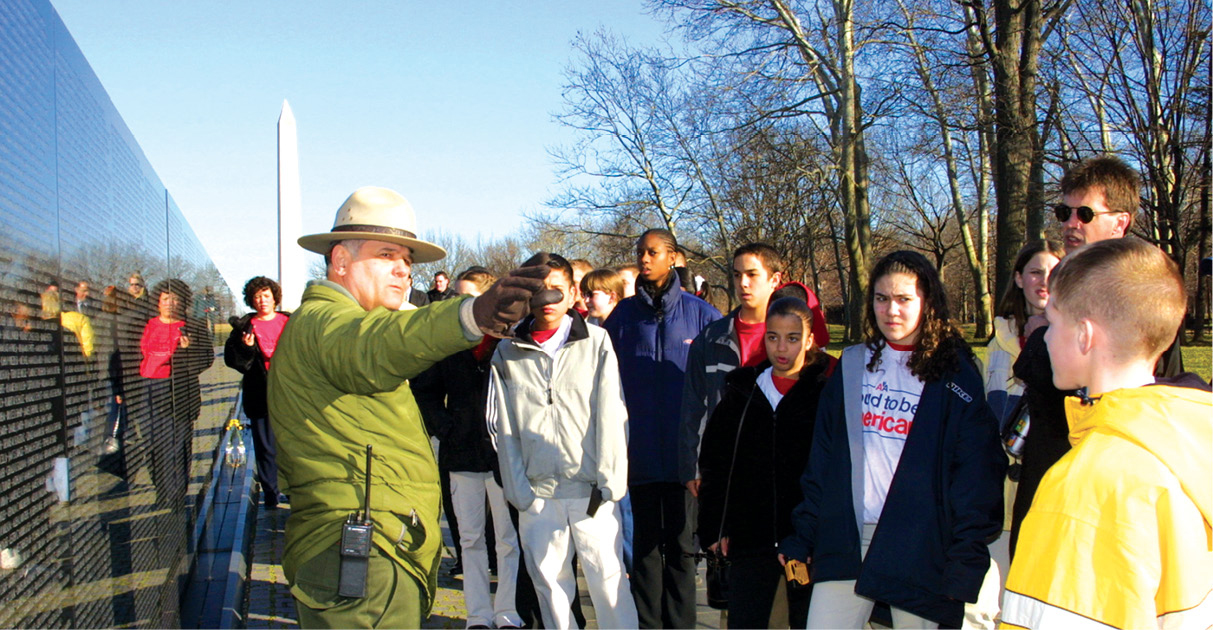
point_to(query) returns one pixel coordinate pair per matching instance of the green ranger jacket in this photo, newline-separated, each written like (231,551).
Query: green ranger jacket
(338,383)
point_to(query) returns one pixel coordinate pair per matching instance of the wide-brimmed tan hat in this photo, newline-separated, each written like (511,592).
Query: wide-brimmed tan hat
(376,214)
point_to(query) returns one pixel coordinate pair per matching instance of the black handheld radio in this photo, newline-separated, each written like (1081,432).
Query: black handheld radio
(356,544)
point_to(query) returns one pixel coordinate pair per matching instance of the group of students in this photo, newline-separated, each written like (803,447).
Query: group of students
(578,419)
(610,430)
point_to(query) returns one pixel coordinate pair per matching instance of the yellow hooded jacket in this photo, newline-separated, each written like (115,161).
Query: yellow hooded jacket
(1119,532)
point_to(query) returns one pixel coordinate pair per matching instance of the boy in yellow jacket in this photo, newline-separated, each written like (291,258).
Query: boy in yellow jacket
(1118,534)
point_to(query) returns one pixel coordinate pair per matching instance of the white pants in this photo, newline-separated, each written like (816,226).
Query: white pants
(981,616)
(835,604)
(549,530)
(468,493)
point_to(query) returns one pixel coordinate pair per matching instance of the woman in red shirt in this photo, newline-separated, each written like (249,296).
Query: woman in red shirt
(248,350)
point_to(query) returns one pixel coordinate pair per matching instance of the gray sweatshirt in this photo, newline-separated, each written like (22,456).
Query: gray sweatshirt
(558,413)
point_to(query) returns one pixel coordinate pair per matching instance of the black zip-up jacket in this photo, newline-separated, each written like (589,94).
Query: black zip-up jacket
(771,456)
(451,396)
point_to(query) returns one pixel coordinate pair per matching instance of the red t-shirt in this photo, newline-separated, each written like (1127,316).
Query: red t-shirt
(783,383)
(159,342)
(749,338)
(267,333)
(485,348)
(541,336)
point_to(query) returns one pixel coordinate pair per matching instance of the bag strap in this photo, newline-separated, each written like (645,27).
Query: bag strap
(736,441)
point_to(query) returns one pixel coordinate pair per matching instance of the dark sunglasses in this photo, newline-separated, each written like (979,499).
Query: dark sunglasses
(1085,213)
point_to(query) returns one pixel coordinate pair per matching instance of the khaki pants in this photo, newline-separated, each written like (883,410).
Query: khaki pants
(393,597)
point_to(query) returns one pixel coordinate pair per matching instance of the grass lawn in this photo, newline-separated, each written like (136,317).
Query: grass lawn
(1197,358)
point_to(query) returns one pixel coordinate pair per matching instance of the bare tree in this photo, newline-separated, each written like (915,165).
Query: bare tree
(807,71)
(618,174)
(937,111)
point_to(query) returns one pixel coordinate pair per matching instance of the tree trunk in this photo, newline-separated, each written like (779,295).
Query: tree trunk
(1206,229)
(852,171)
(1017,151)
(840,269)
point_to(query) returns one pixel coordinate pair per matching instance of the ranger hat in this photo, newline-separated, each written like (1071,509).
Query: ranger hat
(376,214)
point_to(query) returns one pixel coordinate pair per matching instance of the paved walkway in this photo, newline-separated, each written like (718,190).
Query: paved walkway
(269,603)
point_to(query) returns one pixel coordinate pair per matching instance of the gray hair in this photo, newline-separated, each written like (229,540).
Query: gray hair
(354,245)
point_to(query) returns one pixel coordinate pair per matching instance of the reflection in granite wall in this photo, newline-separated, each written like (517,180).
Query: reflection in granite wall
(108,305)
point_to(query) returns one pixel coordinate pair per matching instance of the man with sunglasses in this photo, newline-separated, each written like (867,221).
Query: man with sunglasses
(1099,200)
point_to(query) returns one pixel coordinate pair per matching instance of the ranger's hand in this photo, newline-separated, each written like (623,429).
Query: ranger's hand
(508,300)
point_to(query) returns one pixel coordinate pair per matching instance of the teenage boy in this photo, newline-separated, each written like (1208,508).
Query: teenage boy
(1099,200)
(1118,533)
(726,344)
(602,289)
(557,405)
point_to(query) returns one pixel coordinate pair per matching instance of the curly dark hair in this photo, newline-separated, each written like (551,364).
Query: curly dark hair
(940,345)
(256,285)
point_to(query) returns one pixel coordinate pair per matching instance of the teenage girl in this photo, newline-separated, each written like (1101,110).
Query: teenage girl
(1025,297)
(754,451)
(903,488)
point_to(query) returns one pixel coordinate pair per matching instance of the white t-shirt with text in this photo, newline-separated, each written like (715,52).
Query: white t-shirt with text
(890,400)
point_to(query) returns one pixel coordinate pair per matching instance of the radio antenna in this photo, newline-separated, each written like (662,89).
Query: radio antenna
(366,506)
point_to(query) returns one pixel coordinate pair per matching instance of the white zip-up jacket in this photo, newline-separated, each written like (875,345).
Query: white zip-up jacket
(559,416)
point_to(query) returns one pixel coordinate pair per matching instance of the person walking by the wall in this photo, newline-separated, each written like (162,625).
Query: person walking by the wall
(176,349)
(562,430)
(652,332)
(903,489)
(248,350)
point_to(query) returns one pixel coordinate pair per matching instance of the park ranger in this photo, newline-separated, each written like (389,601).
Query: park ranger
(339,385)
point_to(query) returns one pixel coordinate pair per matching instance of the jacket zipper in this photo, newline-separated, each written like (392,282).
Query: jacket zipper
(551,373)
(660,336)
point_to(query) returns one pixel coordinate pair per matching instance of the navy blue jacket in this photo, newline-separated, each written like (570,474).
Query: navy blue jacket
(930,550)
(652,340)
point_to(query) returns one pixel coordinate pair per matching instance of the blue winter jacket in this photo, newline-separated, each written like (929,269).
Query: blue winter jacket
(652,341)
(930,551)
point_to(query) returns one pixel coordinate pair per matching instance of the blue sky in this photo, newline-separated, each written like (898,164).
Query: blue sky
(448,103)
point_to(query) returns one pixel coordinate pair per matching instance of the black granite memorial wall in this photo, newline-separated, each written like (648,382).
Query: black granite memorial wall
(108,305)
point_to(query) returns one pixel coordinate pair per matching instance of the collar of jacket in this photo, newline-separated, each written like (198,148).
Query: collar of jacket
(246,320)
(669,297)
(1005,335)
(745,378)
(1170,422)
(577,329)
(731,339)
(329,284)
